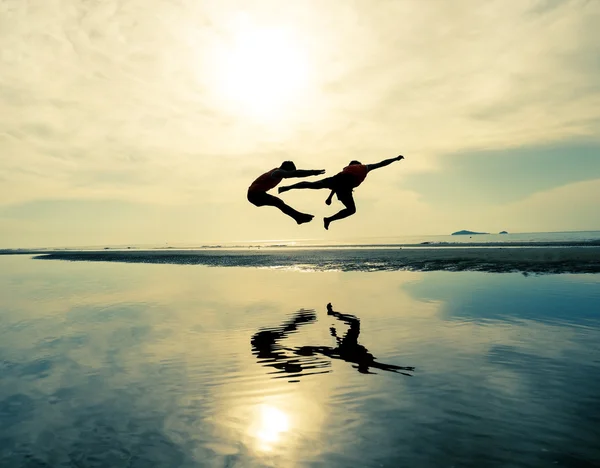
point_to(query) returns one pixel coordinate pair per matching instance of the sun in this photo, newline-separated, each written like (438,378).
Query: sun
(261,71)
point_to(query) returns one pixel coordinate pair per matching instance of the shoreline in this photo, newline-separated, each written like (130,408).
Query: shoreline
(530,259)
(275,246)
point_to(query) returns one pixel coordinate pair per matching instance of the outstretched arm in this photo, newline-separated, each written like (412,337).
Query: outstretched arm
(385,162)
(346,318)
(298,173)
(392,368)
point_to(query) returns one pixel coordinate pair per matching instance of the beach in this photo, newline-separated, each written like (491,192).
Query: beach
(198,359)
(506,258)
(299,234)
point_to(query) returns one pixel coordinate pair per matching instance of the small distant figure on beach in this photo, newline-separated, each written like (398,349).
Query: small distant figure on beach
(342,184)
(258,196)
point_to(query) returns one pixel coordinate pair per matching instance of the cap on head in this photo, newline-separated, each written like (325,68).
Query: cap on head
(354,161)
(288,166)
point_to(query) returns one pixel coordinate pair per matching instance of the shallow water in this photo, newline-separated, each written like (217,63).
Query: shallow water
(118,365)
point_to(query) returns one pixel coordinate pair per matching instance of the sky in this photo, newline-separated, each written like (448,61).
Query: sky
(145,121)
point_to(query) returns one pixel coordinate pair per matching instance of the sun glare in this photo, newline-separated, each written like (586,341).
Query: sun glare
(272,424)
(262,71)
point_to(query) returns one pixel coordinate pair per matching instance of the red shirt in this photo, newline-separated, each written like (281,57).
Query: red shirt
(265,182)
(357,171)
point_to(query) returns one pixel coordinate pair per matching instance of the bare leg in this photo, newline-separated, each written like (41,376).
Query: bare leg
(350,209)
(300,218)
(317,184)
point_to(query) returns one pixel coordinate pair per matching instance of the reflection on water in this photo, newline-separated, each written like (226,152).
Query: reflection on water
(272,424)
(266,344)
(124,365)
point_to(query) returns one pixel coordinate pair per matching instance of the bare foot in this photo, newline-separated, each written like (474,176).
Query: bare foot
(326,223)
(307,218)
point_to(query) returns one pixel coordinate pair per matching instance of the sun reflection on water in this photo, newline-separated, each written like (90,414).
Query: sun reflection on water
(271,425)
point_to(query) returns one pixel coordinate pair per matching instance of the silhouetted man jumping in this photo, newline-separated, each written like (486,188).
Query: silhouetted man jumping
(342,184)
(258,196)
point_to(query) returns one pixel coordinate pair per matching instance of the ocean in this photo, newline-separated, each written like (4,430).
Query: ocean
(533,238)
(297,359)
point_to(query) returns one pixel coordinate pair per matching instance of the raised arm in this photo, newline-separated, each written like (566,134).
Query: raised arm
(298,173)
(385,162)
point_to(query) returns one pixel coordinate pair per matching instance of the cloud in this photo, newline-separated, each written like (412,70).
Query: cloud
(120,100)
(508,175)
(574,206)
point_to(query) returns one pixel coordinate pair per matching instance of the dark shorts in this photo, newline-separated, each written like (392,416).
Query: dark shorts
(343,185)
(261,198)
(340,182)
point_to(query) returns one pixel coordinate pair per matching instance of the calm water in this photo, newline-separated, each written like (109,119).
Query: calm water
(134,365)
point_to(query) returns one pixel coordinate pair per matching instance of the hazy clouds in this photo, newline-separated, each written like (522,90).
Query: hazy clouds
(119,101)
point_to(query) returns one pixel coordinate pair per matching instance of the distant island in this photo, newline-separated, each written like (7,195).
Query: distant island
(503,232)
(467,233)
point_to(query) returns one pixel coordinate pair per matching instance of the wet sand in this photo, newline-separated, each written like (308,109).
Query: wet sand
(538,259)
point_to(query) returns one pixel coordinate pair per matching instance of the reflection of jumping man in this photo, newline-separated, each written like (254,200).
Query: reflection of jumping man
(342,184)
(348,348)
(266,344)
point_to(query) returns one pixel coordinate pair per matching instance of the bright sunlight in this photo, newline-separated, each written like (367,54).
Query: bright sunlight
(273,422)
(262,72)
